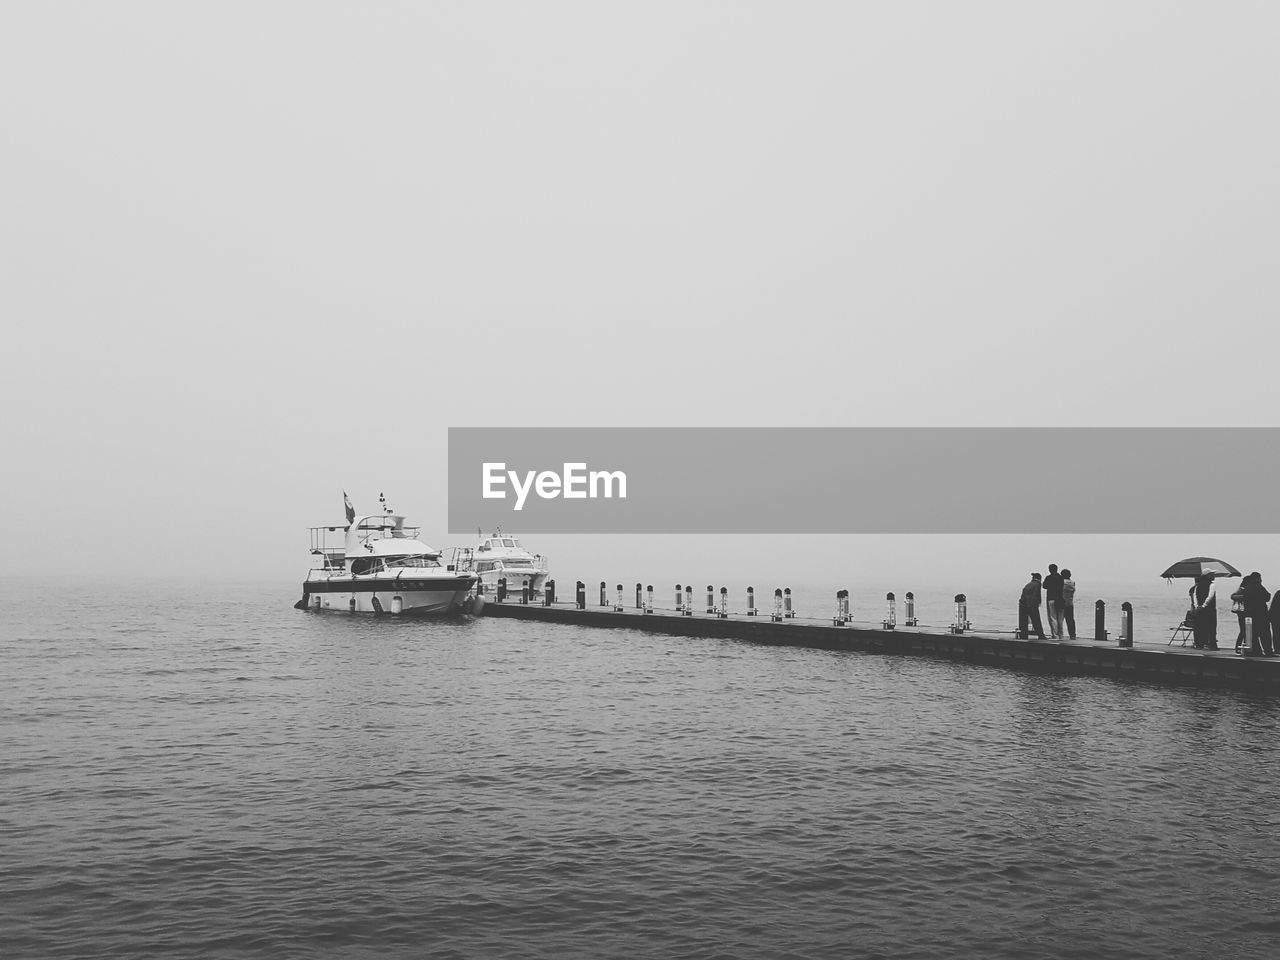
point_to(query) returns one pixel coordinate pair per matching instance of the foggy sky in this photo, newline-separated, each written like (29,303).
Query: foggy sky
(253,254)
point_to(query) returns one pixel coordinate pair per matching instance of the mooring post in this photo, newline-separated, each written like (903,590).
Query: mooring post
(1100,622)
(909,610)
(1248,635)
(639,602)
(524,594)
(502,589)
(751,601)
(679,598)
(1126,624)
(603,601)
(776,616)
(838,619)
(688,600)
(786,604)
(724,603)
(962,614)
(581,595)
(648,603)
(617,607)
(711,599)
(549,593)
(890,621)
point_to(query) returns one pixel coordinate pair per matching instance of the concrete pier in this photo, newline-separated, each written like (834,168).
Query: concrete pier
(1151,662)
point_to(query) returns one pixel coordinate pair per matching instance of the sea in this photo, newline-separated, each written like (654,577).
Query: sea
(196,770)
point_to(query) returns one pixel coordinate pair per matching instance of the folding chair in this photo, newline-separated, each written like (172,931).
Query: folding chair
(1186,630)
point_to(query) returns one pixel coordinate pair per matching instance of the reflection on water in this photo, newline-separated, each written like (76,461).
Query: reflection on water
(224,775)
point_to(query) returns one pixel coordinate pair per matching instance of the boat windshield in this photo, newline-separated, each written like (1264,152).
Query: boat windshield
(418,561)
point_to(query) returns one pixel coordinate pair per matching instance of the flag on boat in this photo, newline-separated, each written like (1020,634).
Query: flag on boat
(351,511)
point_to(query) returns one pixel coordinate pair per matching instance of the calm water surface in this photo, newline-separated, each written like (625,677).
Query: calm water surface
(217,774)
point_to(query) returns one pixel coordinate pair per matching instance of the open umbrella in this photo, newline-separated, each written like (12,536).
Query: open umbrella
(1201,567)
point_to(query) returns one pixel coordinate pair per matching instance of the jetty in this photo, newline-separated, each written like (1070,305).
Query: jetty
(1156,662)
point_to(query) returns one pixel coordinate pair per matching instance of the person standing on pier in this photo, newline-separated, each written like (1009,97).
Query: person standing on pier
(1069,603)
(1053,601)
(1029,608)
(1255,607)
(1204,600)
(1275,622)
(1237,607)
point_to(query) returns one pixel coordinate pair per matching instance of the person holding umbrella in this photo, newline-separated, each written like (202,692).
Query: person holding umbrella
(1204,600)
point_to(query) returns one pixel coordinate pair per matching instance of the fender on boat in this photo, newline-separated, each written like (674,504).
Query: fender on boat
(377,605)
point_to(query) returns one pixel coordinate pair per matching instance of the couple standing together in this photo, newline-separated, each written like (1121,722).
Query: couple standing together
(1060,600)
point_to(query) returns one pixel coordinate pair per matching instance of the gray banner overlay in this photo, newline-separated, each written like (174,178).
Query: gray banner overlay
(871,480)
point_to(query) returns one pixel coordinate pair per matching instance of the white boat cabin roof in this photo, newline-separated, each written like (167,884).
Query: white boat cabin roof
(371,536)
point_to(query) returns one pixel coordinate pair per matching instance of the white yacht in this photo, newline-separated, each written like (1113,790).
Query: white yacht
(502,556)
(381,567)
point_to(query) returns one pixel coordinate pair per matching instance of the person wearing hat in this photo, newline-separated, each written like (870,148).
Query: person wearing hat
(1029,608)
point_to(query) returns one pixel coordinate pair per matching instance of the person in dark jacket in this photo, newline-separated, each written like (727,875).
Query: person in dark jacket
(1029,608)
(1255,608)
(1204,601)
(1275,621)
(1053,601)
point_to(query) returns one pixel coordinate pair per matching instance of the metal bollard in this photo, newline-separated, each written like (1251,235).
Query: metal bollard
(502,589)
(909,610)
(580,592)
(751,601)
(688,600)
(679,598)
(524,594)
(711,599)
(777,607)
(1248,635)
(603,601)
(724,603)
(1126,624)
(962,614)
(1100,622)
(890,621)
(786,604)
(648,603)
(549,593)
(842,609)
(617,607)
(639,602)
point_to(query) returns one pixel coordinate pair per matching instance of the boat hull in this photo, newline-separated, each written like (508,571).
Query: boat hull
(393,596)
(535,580)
